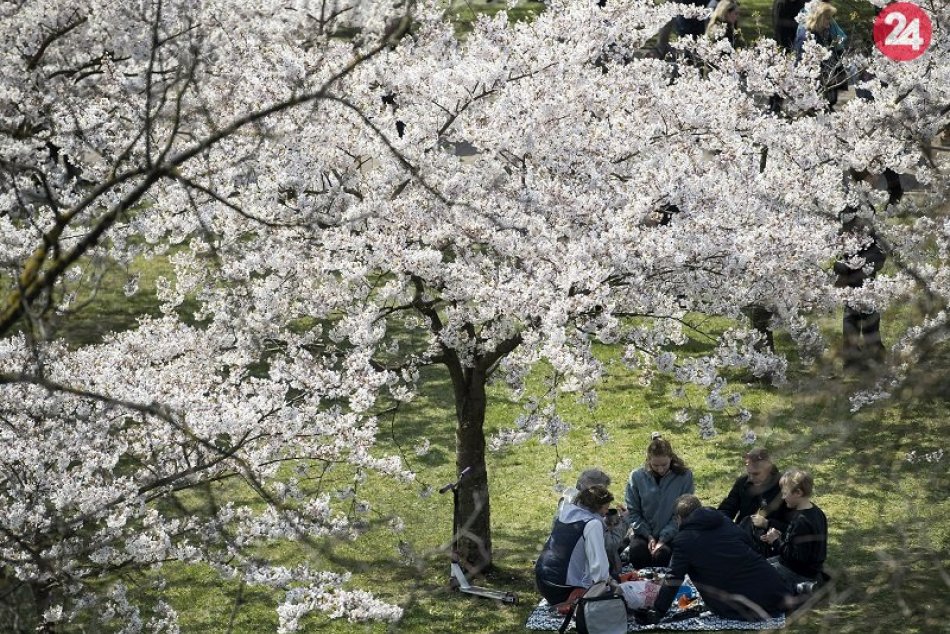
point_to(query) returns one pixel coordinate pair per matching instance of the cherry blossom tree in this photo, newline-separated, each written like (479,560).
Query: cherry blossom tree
(104,446)
(332,239)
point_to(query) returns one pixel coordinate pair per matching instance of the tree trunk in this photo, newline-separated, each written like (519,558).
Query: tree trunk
(473,539)
(42,601)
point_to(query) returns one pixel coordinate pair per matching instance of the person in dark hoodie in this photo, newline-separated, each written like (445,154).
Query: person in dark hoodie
(861,346)
(755,502)
(734,580)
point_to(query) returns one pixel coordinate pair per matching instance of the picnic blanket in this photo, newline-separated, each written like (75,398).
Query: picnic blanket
(545,618)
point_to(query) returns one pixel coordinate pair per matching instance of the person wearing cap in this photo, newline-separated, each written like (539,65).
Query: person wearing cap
(587,479)
(732,579)
(755,501)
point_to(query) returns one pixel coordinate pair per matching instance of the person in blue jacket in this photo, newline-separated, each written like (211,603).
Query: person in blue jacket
(734,581)
(820,25)
(650,497)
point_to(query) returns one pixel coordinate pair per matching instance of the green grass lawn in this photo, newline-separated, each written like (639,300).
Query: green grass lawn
(889,540)
(881,508)
(888,537)
(855,16)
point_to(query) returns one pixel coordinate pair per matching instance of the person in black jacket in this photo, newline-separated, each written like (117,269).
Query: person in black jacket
(861,328)
(734,581)
(755,503)
(802,546)
(690,26)
(783,21)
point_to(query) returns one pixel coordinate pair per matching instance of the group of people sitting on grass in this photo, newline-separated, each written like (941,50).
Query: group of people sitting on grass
(752,558)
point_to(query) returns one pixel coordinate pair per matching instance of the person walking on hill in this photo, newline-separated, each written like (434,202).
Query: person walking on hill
(821,26)
(783,21)
(861,345)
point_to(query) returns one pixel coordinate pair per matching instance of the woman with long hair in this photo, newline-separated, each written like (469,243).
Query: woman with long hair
(726,13)
(651,496)
(820,25)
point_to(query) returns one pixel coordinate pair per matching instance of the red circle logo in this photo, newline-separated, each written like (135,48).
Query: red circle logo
(902,31)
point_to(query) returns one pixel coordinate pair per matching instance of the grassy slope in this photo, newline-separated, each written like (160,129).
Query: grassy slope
(855,16)
(880,506)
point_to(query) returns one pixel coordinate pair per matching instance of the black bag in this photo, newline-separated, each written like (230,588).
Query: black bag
(599,611)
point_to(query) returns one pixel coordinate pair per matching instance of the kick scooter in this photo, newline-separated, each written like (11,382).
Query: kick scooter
(458,580)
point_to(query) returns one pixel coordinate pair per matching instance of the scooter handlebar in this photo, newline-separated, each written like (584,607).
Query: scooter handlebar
(451,485)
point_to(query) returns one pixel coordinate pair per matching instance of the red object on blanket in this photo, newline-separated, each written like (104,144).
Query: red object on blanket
(629,576)
(576,593)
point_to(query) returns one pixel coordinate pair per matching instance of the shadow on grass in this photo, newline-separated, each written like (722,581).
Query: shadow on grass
(887,585)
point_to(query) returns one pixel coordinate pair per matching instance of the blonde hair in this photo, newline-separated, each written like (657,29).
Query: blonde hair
(719,14)
(797,480)
(820,17)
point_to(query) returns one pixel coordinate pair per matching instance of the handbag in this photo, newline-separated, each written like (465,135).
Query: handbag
(599,611)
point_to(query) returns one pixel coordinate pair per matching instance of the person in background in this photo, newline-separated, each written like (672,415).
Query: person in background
(650,497)
(734,581)
(574,557)
(820,25)
(784,23)
(726,12)
(689,26)
(587,479)
(682,26)
(861,345)
(755,502)
(802,546)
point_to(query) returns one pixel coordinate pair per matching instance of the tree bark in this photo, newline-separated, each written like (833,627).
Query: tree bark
(473,539)
(42,601)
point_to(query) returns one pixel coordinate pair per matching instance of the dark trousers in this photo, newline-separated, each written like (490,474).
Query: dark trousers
(861,337)
(895,190)
(554,593)
(640,556)
(759,546)
(761,319)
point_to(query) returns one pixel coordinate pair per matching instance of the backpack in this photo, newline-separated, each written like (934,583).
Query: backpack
(599,611)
